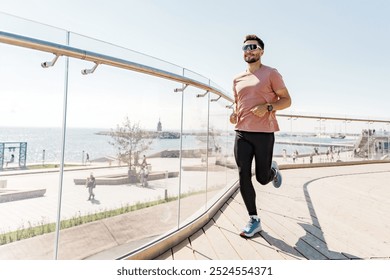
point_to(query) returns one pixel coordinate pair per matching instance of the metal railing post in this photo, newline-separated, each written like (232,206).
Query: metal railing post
(58,223)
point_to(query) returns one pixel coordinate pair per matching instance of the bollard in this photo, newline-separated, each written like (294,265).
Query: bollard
(3,184)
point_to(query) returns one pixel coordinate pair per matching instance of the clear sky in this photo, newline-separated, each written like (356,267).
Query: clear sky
(333,55)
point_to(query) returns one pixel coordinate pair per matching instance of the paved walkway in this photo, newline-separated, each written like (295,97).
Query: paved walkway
(319,213)
(121,234)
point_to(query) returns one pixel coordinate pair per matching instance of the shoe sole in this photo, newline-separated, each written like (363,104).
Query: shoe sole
(279,184)
(246,235)
(276,167)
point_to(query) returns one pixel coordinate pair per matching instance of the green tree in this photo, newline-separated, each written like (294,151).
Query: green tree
(129,140)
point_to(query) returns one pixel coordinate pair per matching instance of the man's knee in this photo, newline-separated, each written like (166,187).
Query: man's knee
(262,179)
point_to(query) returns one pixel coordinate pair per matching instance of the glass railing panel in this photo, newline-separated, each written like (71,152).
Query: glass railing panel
(326,140)
(30,147)
(101,107)
(92,111)
(28,28)
(108,49)
(308,140)
(194,153)
(221,163)
(195,76)
(374,141)
(224,91)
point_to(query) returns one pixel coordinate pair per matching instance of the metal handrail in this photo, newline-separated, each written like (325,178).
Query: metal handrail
(97,58)
(63,50)
(305,116)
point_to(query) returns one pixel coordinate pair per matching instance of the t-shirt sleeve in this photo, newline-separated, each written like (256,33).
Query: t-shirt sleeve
(276,80)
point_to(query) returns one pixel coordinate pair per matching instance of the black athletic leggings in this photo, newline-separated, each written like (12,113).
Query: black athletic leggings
(248,145)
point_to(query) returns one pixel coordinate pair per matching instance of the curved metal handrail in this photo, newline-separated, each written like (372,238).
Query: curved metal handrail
(334,118)
(63,50)
(97,58)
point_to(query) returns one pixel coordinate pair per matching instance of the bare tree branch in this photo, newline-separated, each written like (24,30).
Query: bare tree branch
(129,140)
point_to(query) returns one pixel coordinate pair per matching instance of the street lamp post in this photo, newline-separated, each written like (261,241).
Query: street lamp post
(368,141)
(388,135)
(320,135)
(345,133)
(43,156)
(291,131)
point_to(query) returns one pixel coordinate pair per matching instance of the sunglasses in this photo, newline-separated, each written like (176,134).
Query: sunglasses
(250,47)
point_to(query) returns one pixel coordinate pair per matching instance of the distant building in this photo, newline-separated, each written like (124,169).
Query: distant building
(159,126)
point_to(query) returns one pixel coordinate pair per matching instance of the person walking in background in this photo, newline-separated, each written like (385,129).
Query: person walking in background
(144,162)
(91,184)
(258,92)
(87,160)
(11,160)
(294,156)
(284,155)
(143,174)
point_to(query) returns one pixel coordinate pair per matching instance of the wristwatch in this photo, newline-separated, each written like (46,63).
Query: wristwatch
(270,108)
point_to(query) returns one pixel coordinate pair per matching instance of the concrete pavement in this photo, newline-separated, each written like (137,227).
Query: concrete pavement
(32,212)
(121,234)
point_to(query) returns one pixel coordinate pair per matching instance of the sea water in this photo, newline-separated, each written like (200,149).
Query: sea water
(45,144)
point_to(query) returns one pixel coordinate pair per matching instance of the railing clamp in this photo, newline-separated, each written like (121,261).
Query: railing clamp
(230,106)
(202,95)
(216,99)
(180,89)
(48,64)
(90,71)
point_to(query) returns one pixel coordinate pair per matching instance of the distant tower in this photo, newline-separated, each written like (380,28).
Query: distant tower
(159,126)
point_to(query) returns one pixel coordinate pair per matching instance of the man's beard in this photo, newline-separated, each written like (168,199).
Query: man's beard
(251,59)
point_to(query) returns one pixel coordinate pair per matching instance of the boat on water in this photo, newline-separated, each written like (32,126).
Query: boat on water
(337,136)
(168,135)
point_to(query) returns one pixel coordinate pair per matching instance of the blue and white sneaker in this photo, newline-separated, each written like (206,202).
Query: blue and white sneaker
(251,228)
(277,181)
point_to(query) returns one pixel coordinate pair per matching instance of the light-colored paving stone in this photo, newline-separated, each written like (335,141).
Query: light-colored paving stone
(340,212)
(343,210)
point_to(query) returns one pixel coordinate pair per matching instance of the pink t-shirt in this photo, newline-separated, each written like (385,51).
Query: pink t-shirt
(254,89)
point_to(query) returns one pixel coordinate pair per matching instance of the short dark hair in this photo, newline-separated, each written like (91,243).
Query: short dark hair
(255,38)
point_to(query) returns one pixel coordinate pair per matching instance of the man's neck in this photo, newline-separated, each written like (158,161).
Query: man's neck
(253,67)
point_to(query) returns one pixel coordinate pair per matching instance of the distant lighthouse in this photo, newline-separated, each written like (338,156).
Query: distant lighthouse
(159,126)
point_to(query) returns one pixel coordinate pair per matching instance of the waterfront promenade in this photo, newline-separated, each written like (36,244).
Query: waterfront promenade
(41,210)
(339,212)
